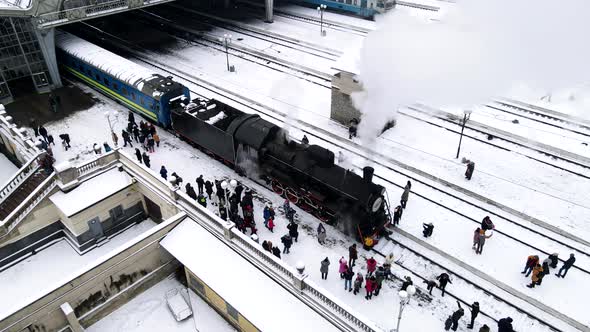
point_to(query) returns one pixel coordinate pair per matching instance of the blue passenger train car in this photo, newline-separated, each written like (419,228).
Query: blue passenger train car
(364,8)
(120,79)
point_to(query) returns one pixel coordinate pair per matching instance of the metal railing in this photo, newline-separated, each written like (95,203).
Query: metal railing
(24,208)
(91,9)
(308,291)
(21,176)
(24,145)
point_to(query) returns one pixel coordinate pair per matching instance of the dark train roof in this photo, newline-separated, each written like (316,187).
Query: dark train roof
(252,130)
(158,85)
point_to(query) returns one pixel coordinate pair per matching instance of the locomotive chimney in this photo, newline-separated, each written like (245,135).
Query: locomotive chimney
(368,173)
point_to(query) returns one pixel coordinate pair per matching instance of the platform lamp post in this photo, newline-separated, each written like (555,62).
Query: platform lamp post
(466,115)
(224,185)
(226,41)
(321,9)
(108,114)
(404,299)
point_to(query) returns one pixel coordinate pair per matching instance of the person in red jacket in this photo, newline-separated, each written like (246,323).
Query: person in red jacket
(371,265)
(370,287)
(270,224)
(531,262)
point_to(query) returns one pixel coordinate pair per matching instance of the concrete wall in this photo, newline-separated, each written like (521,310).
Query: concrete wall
(342,108)
(102,289)
(78,223)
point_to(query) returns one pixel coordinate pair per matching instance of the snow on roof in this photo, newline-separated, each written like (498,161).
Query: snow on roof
(119,67)
(91,192)
(349,62)
(253,294)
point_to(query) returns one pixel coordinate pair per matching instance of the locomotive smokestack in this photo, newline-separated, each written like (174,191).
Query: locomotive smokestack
(368,174)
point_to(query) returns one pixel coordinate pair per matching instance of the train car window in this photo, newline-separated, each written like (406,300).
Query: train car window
(124,91)
(133,95)
(348,2)
(106,82)
(115,86)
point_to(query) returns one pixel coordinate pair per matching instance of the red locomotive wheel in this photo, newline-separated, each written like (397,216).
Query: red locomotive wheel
(278,188)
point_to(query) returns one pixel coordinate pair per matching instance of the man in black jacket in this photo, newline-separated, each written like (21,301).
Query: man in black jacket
(474,312)
(566,266)
(443,279)
(505,325)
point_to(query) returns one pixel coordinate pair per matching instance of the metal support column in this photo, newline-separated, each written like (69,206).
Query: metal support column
(268,6)
(46,38)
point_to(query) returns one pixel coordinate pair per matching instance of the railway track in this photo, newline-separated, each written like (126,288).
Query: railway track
(189,35)
(545,118)
(273,114)
(245,29)
(553,152)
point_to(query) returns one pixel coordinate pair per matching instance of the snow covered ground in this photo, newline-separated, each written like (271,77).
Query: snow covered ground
(149,312)
(52,267)
(189,163)
(7,169)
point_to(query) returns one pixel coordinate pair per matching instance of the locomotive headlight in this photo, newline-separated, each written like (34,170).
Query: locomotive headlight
(377,204)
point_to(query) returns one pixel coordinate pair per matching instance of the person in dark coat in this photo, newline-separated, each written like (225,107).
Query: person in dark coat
(352,128)
(266,247)
(287,242)
(146,159)
(484,328)
(397,215)
(379,277)
(131,117)
(293,230)
(276,251)
(405,195)
(33,124)
(209,188)
(126,138)
(487,224)
(554,260)
(430,284)
(348,275)
(43,132)
(545,266)
(190,191)
(566,266)
(406,283)
(456,316)
(107,147)
(427,229)
(358,282)
(443,279)
(352,255)
(200,183)
(138,155)
(50,140)
(470,169)
(324,268)
(223,212)
(239,189)
(474,312)
(136,134)
(305,140)
(164,172)
(505,325)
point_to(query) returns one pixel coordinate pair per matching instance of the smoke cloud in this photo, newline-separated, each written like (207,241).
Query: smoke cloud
(477,50)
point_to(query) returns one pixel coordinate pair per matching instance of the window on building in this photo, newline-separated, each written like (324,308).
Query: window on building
(116,212)
(196,285)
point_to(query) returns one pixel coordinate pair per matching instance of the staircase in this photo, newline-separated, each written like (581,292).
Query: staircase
(19,194)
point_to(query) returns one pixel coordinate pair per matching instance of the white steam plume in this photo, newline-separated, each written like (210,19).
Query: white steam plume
(475,52)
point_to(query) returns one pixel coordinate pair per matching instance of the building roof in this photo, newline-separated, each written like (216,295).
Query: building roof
(91,192)
(262,301)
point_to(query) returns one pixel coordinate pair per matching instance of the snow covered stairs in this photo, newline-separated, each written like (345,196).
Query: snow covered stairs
(21,193)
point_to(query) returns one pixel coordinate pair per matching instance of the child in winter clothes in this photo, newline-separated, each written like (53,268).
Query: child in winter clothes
(343,266)
(358,282)
(270,224)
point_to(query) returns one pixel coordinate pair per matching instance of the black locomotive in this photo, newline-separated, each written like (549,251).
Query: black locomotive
(304,174)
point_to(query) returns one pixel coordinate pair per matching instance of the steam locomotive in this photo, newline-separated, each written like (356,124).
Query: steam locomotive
(304,174)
